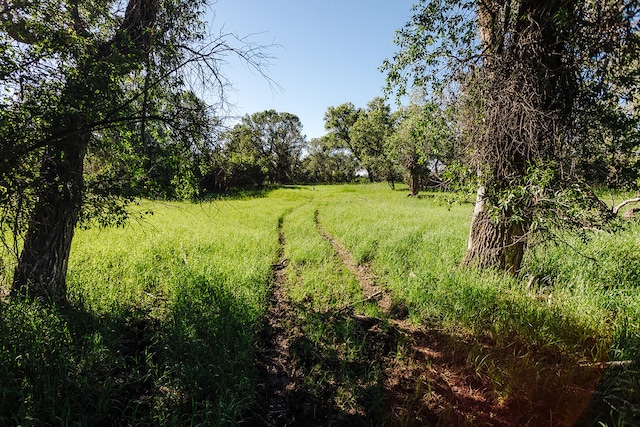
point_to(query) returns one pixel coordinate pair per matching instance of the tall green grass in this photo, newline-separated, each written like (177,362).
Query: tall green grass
(583,309)
(339,360)
(161,327)
(164,315)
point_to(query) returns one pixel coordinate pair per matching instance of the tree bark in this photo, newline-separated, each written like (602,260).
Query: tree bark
(495,243)
(42,268)
(414,182)
(528,95)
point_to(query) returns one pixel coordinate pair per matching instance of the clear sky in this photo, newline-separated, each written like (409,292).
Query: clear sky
(329,53)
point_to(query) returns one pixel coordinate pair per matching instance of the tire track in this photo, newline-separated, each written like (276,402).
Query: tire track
(276,367)
(432,382)
(429,376)
(362,272)
(292,367)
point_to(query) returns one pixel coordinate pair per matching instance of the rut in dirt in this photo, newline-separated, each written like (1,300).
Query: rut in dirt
(432,378)
(428,378)
(283,359)
(403,375)
(276,368)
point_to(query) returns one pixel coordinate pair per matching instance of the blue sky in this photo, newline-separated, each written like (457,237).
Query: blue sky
(329,53)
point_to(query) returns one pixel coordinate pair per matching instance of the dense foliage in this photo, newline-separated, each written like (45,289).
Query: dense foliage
(264,148)
(99,88)
(544,93)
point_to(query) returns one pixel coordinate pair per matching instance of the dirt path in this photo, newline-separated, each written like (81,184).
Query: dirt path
(362,272)
(426,376)
(276,366)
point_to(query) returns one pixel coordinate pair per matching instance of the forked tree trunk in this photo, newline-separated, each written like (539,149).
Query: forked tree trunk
(42,267)
(494,243)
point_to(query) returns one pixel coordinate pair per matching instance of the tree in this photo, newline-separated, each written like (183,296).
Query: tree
(517,71)
(338,121)
(72,71)
(609,149)
(324,164)
(277,138)
(156,160)
(366,134)
(264,146)
(370,136)
(423,143)
(282,141)
(240,163)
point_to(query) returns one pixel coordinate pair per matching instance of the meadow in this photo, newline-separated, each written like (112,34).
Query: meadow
(166,317)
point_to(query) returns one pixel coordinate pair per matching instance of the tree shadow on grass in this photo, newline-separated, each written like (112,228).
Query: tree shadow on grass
(448,379)
(63,365)
(337,371)
(67,365)
(616,400)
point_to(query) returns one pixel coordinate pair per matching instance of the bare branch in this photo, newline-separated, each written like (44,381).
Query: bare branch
(616,209)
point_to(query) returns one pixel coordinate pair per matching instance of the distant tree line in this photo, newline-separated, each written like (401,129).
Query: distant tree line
(420,145)
(412,145)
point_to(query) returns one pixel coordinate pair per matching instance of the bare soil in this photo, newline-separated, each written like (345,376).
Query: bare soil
(276,368)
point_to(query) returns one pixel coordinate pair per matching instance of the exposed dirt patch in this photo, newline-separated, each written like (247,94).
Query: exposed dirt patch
(430,382)
(276,368)
(361,370)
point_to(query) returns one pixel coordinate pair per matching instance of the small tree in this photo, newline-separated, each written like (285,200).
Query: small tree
(338,122)
(424,144)
(275,137)
(371,135)
(264,146)
(366,134)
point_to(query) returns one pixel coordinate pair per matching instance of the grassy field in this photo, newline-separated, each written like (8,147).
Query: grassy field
(165,318)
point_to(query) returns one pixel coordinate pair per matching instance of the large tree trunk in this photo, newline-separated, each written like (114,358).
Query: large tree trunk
(524,109)
(494,242)
(414,182)
(42,268)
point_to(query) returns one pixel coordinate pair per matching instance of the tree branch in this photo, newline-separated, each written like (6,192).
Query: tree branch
(16,29)
(616,209)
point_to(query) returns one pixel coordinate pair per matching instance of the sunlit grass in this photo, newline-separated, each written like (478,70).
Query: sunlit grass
(339,360)
(162,322)
(315,273)
(164,314)
(584,306)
